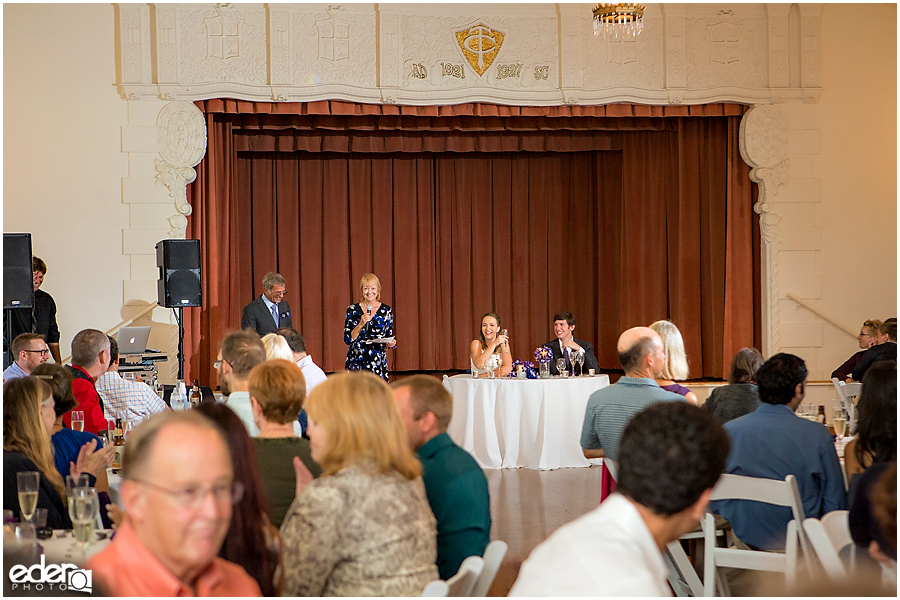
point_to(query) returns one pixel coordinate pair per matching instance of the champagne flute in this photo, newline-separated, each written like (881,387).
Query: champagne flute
(561,367)
(83,507)
(78,420)
(28,482)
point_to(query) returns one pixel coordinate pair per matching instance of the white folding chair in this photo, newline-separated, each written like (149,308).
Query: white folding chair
(846,392)
(770,491)
(461,584)
(828,536)
(681,574)
(493,558)
(436,589)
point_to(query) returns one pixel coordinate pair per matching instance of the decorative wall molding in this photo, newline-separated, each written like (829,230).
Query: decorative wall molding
(764,146)
(181,133)
(409,54)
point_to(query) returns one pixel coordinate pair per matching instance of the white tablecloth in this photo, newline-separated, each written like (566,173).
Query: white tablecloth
(532,423)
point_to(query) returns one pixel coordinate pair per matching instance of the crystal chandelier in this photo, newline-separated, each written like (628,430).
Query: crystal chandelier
(619,21)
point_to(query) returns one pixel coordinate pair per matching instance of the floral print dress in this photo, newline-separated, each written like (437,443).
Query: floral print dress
(368,357)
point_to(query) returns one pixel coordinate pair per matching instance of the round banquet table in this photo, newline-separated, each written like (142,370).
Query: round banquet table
(533,423)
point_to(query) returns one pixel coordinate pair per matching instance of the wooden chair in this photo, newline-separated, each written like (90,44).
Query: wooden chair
(770,491)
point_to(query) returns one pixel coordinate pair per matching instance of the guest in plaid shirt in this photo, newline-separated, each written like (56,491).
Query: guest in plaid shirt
(137,398)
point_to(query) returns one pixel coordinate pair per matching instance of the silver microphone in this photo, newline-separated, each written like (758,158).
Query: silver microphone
(369,309)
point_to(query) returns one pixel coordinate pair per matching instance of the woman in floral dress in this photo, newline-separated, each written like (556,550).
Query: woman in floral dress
(368,320)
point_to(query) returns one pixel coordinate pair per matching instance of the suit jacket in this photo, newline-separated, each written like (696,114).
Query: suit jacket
(590,361)
(885,351)
(256,315)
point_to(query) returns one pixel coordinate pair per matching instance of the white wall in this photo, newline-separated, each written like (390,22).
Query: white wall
(63,170)
(857,116)
(62,160)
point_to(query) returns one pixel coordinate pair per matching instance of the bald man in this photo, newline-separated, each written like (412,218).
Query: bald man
(178,488)
(609,410)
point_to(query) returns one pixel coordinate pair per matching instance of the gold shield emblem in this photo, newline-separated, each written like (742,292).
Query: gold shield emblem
(480,45)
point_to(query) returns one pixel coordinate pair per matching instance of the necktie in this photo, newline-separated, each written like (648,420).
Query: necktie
(565,355)
(275,314)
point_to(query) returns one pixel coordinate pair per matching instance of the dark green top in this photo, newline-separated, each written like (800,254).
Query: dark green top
(457,491)
(275,459)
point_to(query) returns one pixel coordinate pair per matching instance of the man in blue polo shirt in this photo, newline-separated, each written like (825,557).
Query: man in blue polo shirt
(609,410)
(454,483)
(772,443)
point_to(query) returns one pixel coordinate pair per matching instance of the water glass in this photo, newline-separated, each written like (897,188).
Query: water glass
(561,366)
(73,483)
(26,534)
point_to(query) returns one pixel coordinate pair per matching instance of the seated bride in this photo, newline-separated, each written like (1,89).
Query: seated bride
(491,352)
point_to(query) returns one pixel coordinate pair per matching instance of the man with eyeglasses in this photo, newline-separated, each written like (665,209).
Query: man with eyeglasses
(179,492)
(270,311)
(30,350)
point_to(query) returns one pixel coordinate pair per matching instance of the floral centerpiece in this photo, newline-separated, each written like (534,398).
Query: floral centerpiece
(544,355)
(530,372)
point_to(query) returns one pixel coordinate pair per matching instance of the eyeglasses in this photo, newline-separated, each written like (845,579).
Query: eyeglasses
(190,497)
(218,363)
(281,293)
(44,352)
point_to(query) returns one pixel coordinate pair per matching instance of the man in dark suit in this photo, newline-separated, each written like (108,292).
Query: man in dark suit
(885,348)
(270,311)
(564,328)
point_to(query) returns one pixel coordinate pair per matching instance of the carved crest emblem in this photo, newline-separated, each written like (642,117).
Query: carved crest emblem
(480,45)
(726,42)
(334,40)
(622,52)
(222,40)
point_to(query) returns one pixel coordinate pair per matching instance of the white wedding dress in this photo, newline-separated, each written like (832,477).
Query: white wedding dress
(493,363)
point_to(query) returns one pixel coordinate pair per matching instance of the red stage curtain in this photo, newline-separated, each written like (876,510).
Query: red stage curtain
(622,220)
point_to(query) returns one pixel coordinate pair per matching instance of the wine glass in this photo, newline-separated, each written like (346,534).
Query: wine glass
(579,358)
(561,367)
(84,505)
(28,482)
(78,420)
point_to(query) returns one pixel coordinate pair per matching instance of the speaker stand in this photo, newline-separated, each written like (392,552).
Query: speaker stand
(179,316)
(7,337)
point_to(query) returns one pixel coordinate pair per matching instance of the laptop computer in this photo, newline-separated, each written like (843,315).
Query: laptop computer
(133,340)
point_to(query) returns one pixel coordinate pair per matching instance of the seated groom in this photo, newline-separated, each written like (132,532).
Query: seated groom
(178,514)
(564,328)
(454,483)
(616,549)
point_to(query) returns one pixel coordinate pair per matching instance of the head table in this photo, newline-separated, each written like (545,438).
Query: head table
(533,423)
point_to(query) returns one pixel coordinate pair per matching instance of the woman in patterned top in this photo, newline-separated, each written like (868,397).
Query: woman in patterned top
(368,320)
(364,528)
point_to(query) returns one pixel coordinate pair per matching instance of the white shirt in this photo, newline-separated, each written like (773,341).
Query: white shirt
(239,402)
(607,552)
(311,373)
(138,399)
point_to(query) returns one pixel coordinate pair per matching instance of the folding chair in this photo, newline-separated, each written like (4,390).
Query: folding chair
(846,392)
(770,491)
(493,558)
(459,585)
(828,536)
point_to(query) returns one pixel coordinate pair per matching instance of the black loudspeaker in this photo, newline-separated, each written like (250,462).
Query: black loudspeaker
(18,283)
(179,273)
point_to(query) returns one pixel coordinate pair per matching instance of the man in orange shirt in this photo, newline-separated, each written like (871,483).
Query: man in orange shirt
(178,491)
